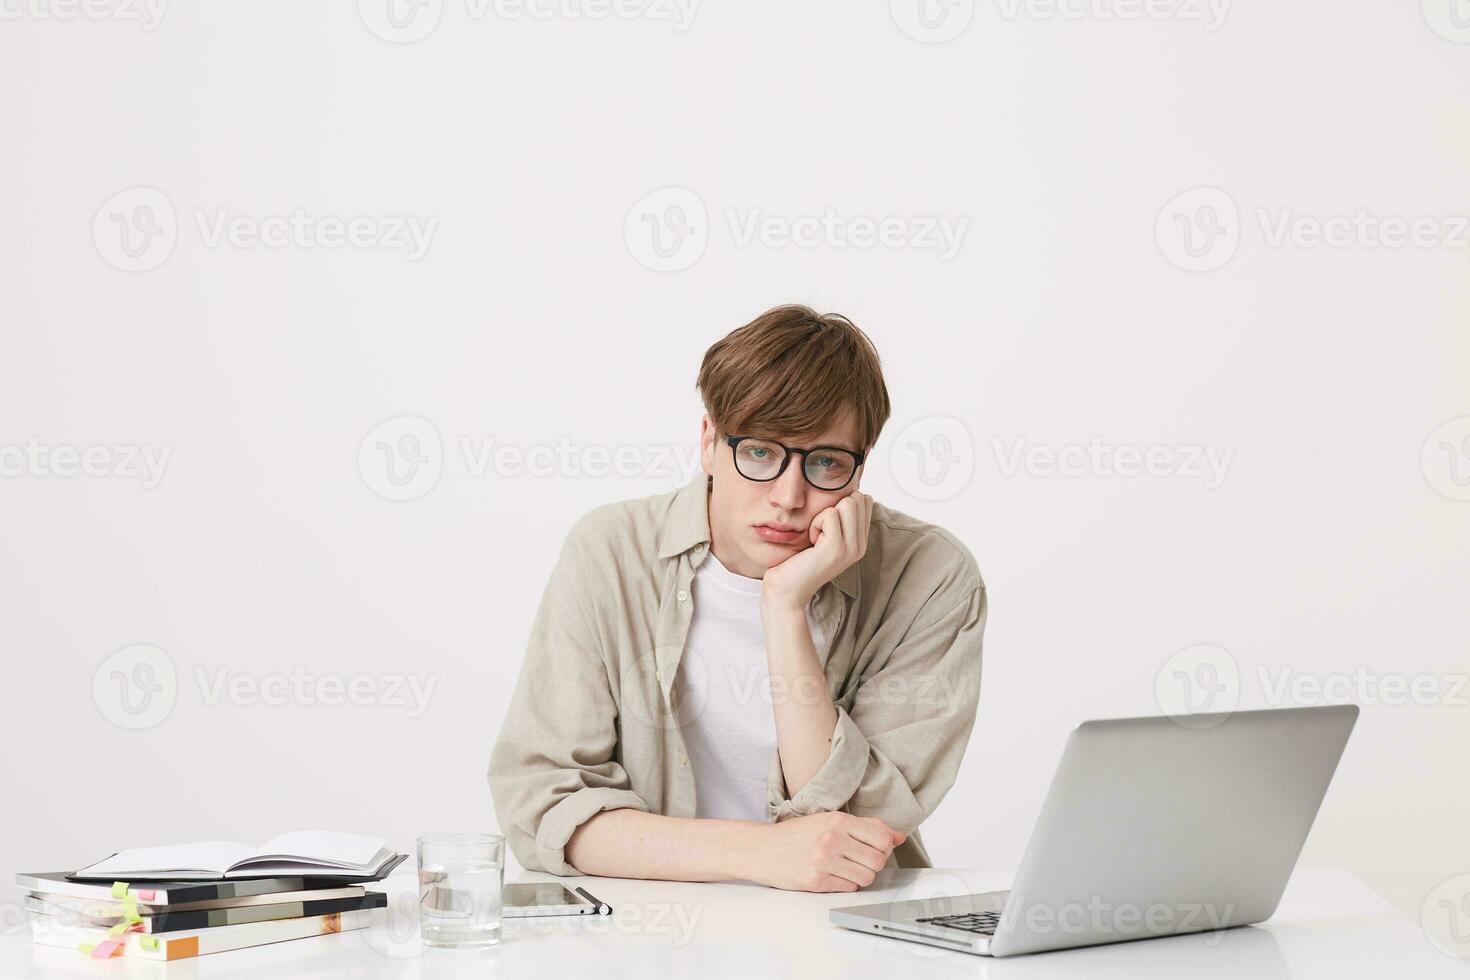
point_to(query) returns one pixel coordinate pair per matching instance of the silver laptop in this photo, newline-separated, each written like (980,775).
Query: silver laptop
(1152,827)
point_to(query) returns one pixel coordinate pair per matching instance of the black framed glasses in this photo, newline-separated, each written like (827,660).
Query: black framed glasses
(763,460)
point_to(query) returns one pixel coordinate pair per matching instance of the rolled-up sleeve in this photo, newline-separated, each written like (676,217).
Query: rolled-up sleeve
(553,765)
(896,750)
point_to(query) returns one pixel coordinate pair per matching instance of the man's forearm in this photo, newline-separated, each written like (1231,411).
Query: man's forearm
(626,843)
(805,717)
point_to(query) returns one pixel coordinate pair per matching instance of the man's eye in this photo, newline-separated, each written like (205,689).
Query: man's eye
(756,452)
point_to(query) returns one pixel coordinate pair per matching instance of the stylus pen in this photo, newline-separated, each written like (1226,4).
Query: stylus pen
(602,907)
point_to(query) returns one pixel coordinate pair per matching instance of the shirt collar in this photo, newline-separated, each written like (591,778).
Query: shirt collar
(687,525)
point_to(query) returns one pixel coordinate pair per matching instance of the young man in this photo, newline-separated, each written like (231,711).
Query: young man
(764,675)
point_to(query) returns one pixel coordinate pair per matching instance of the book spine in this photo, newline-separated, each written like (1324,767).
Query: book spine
(216,940)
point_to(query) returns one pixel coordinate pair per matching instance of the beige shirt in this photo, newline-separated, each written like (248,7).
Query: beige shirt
(595,720)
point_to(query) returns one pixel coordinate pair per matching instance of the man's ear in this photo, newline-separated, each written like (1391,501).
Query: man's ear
(707,433)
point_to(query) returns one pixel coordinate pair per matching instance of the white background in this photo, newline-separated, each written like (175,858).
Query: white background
(537,317)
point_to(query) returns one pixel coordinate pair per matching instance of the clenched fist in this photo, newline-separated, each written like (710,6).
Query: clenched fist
(824,852)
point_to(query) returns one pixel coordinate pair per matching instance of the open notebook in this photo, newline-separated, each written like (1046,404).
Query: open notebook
(303,852)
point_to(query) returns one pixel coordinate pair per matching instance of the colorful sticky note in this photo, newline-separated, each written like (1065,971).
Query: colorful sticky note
(149,943)
(146,894)
(106,948)
(84,947)
(119,889)
(130,909)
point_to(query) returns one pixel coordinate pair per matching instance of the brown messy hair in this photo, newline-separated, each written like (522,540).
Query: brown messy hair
(792,372)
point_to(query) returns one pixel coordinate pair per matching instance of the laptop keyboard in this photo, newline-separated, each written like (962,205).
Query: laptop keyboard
(983,923)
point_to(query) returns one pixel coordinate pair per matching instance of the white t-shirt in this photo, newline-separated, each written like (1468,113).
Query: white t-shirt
(725,693)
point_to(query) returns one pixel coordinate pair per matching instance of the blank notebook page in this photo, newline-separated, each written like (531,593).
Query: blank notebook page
(298,851)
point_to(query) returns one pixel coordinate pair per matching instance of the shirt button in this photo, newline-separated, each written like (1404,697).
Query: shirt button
(683,761)
(698,548)
(683,596)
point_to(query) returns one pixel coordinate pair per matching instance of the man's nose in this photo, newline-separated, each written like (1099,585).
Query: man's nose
(788,491)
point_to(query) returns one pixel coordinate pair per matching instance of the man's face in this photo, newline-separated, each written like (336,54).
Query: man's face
(754,525)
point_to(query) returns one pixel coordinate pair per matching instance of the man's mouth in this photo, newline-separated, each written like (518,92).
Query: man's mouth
(779,533)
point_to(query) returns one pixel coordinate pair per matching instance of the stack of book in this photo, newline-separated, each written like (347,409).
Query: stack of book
(170,903)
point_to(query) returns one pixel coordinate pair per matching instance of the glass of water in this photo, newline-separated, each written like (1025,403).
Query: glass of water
(460,878)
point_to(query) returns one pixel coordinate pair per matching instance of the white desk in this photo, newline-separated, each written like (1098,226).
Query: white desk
(1329,925)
